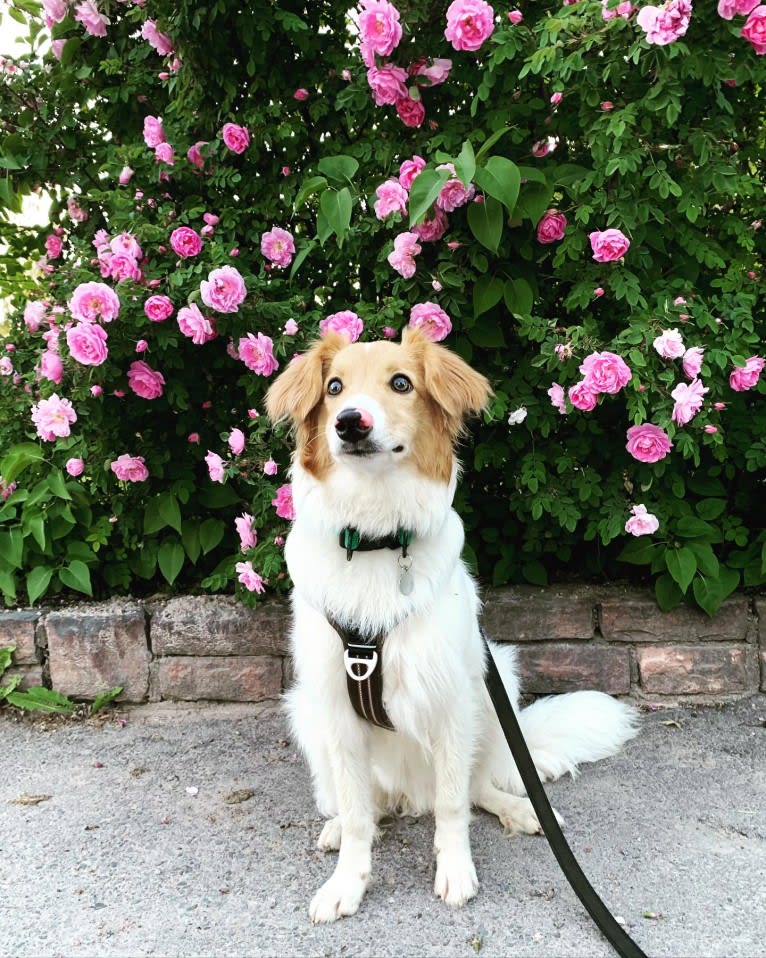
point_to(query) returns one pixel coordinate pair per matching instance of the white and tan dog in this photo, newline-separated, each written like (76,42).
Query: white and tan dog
(376,425)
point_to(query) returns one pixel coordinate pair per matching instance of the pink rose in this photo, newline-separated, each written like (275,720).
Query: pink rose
(543,147)
(126,243)
(236,441)
(130,468)
(158,41)
(154,134)
(642,523)
(469,23)
(270,468)
(754,29)
(551,227)
(236,138)
(223,290)
(164,153)
(431,320)
(215,466)
(53,246)
(387,83)
(142,346)
(56,10)
(515,17)
(158,308)
(688,401)
(194,154)
(257,353)
(185,241)
(95,23)
(391,198)
(284,502)
(126,175)
(669,344)
(249,577)
(582,396)
(665,24)
(145,381)
(301,94)
(291,327)
(402,259)
(192,323)
(248,538)
(87,343)
(556,393)
(52,417)
(728,9)
(278,247)
(51,367)
(122,266)
(34,314)
(431,230)
(74,467)
(410,111)
(605,372)
(453,194)
(379,28)
(434,71)
(346,323)
(93,301)
(746,377)
(648,443)
(608,245)
(692,361)
(409,170)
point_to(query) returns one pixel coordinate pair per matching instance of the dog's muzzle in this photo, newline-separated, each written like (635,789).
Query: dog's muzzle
(353,428)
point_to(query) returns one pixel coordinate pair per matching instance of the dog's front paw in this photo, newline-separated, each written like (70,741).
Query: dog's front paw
(456,881)
(339,897)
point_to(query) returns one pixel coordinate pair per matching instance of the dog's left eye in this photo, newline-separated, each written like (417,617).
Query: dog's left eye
(401,384)
(334,387)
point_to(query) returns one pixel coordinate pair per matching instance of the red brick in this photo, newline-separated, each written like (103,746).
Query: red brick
(231,678)
(18,628)
(528,614)
(219,625)
(698,670)
(632,615)
(94,647)
(566,667)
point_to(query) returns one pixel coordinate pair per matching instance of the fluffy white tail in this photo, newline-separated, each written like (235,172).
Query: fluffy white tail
(562,731)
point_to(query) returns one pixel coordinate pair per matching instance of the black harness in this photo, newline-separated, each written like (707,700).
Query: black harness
(364,678)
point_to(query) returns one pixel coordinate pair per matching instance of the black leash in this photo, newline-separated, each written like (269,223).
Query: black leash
(618,938)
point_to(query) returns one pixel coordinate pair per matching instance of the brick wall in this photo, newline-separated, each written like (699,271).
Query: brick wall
(571,637)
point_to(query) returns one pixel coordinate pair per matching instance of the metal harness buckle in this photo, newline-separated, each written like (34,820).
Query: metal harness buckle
(368,661)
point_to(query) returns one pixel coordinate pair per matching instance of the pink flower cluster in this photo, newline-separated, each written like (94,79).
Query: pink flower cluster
(665,24)
(278,247)
(53,417)
(746,377)
(402,259)
(196,327)
(345,323)
(431,320)
(257,353)
(603,372)
(380,32)
(642,522)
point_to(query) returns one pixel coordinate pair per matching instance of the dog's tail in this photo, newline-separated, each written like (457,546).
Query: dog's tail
(561,731)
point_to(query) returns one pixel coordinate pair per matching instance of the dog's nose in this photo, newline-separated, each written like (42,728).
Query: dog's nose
(353,425)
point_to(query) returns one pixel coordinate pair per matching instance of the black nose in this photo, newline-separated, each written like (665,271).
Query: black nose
(351,426)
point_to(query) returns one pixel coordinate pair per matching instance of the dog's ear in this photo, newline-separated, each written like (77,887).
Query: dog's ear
(297,390)
(456,388)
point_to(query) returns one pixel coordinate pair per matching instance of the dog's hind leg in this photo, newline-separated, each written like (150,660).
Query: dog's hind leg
(516,814)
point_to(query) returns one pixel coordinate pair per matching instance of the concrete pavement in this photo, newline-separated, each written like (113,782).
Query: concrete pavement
(184,831)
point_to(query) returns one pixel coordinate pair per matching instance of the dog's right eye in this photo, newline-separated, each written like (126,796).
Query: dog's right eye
(334,387)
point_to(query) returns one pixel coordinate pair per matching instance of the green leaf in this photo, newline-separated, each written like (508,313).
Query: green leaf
(18,457)
(210,534)
(6,657)
(13,682)
(38,581)
(311,186)
(710,591)
(57,484)
(534,572)
(487,292)
(161,511)
(639,551)
(170,558)
(76,576)
(534,201)
(465,164)
(340,168)
(682,564)
(691,527)
(425,188)
(487,334)
(519,297)
(12,547)
(42,700)
(711,508)
(103,698)
(486,222)
(8,586)
(500,178)
(303,252)
(190,540)
(666,592)
(336,206)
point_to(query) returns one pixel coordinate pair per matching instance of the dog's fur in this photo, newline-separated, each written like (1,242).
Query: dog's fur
(448,752)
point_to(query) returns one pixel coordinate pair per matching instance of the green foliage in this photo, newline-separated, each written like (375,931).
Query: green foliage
(665,144)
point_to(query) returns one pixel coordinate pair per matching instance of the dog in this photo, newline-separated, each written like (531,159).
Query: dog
(376,427)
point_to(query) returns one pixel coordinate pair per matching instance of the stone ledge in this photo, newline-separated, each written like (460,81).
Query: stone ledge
(196,648)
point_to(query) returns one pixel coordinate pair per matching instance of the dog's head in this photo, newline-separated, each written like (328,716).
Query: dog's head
(375,405)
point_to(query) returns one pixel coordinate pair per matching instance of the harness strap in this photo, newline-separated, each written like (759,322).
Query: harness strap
(617,937)
(364,673)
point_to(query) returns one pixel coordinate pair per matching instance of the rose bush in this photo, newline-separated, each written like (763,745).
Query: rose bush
(568,194)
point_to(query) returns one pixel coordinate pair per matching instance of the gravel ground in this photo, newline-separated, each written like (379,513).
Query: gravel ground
(185,831)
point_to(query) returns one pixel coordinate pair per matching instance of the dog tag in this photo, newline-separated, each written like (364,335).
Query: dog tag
(406,580)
